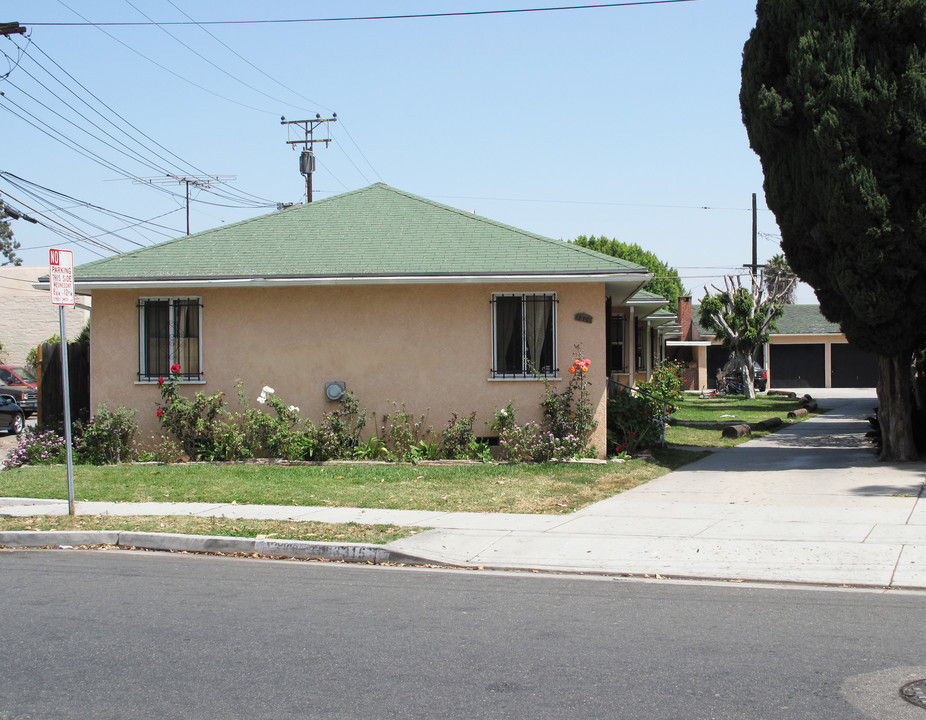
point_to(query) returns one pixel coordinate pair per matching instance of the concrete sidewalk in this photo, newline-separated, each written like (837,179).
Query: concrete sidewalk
(808,504)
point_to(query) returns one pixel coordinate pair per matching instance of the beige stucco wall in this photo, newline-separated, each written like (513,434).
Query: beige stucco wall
(428,346)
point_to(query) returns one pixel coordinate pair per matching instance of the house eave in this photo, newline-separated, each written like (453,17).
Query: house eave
(622,279)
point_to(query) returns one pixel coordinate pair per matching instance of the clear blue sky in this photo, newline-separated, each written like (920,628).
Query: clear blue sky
(620,121)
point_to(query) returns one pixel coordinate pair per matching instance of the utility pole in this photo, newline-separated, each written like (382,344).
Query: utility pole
(307,157)
(203,181)
(754,267)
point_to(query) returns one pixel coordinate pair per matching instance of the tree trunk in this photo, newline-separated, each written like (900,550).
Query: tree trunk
(895,408)
(747,372)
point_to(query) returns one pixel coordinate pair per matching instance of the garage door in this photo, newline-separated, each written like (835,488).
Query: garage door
(853,367)
(797,366)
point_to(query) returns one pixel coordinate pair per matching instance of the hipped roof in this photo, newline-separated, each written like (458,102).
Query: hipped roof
(375,234)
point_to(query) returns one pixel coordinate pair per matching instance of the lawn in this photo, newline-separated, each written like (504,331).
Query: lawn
(699,421)
(226,527)
(549,488)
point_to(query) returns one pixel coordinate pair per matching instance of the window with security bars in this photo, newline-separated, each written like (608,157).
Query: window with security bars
(169,335)
(523,335)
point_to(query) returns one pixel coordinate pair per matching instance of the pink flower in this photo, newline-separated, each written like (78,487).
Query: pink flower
(175,368)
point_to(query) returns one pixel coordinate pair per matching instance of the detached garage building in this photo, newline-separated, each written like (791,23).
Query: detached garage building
(810,351)
(806,351)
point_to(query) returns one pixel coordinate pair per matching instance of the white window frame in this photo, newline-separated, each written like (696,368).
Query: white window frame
(143,375)
(525,373)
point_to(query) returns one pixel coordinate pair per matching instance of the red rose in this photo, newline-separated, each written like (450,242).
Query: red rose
(160,381)
(175,368)
(160,412)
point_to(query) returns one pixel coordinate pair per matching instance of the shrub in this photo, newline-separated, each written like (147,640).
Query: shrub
(192,421)
(338,434)
(38,448)
(107,439)
(264,435)
(570,414)
(666,383)
(532,442)
(632,424)
(458,441)
(161,450)
(406,437)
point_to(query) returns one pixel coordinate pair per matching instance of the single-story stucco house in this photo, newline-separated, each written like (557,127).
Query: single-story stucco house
(804,351)
(405,300)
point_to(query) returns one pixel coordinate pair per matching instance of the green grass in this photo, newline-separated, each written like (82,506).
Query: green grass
(227,527)
(694,409)
(551,488)
(711,415)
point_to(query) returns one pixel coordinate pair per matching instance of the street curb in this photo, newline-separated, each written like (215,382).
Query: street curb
(211,544)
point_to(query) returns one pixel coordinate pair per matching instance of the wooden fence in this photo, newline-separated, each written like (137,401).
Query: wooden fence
(51,392)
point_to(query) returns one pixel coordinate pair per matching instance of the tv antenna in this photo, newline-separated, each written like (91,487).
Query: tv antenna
(202,181)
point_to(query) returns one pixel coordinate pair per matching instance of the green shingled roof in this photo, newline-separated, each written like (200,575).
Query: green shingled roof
(805,320)
(795,320)
(377,231)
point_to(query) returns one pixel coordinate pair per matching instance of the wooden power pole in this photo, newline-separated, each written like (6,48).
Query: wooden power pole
(307,158)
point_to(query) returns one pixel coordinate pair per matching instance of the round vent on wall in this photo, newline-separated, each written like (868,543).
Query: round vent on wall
(334,390)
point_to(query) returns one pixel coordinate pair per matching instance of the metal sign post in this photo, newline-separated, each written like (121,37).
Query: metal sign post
(61,280)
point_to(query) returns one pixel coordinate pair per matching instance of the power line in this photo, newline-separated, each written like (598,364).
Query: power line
(265,202)
(71,230)
(411,16)
(242,198)
(100,26)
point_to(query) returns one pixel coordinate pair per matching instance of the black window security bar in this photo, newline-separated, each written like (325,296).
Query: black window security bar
(169,336)
(524,335)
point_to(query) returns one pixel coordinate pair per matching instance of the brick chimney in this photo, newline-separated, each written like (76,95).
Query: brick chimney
(684,316)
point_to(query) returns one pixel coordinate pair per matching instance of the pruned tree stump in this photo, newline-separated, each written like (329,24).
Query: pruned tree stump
(736,431)
(770,424)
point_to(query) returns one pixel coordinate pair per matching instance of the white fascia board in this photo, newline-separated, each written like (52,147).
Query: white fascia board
(140,283)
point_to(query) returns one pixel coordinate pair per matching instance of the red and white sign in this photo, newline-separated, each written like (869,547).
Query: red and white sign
(61,276)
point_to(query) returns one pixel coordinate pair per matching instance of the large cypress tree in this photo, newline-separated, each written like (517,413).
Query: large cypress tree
(834,101)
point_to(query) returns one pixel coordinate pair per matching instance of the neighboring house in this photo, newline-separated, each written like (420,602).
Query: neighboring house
(28,317)
(806,351)
(405,300)
(635,337)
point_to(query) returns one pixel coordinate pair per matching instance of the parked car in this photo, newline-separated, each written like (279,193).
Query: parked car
(25,397)
(761,377)
(19,382)
(17,375)
(761,383)
(12,418)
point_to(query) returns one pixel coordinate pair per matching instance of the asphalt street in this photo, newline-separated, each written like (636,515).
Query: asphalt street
(151,635)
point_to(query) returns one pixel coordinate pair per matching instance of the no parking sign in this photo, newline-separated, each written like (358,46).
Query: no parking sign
(61,276)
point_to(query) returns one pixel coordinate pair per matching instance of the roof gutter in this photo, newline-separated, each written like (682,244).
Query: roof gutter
(233,282)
